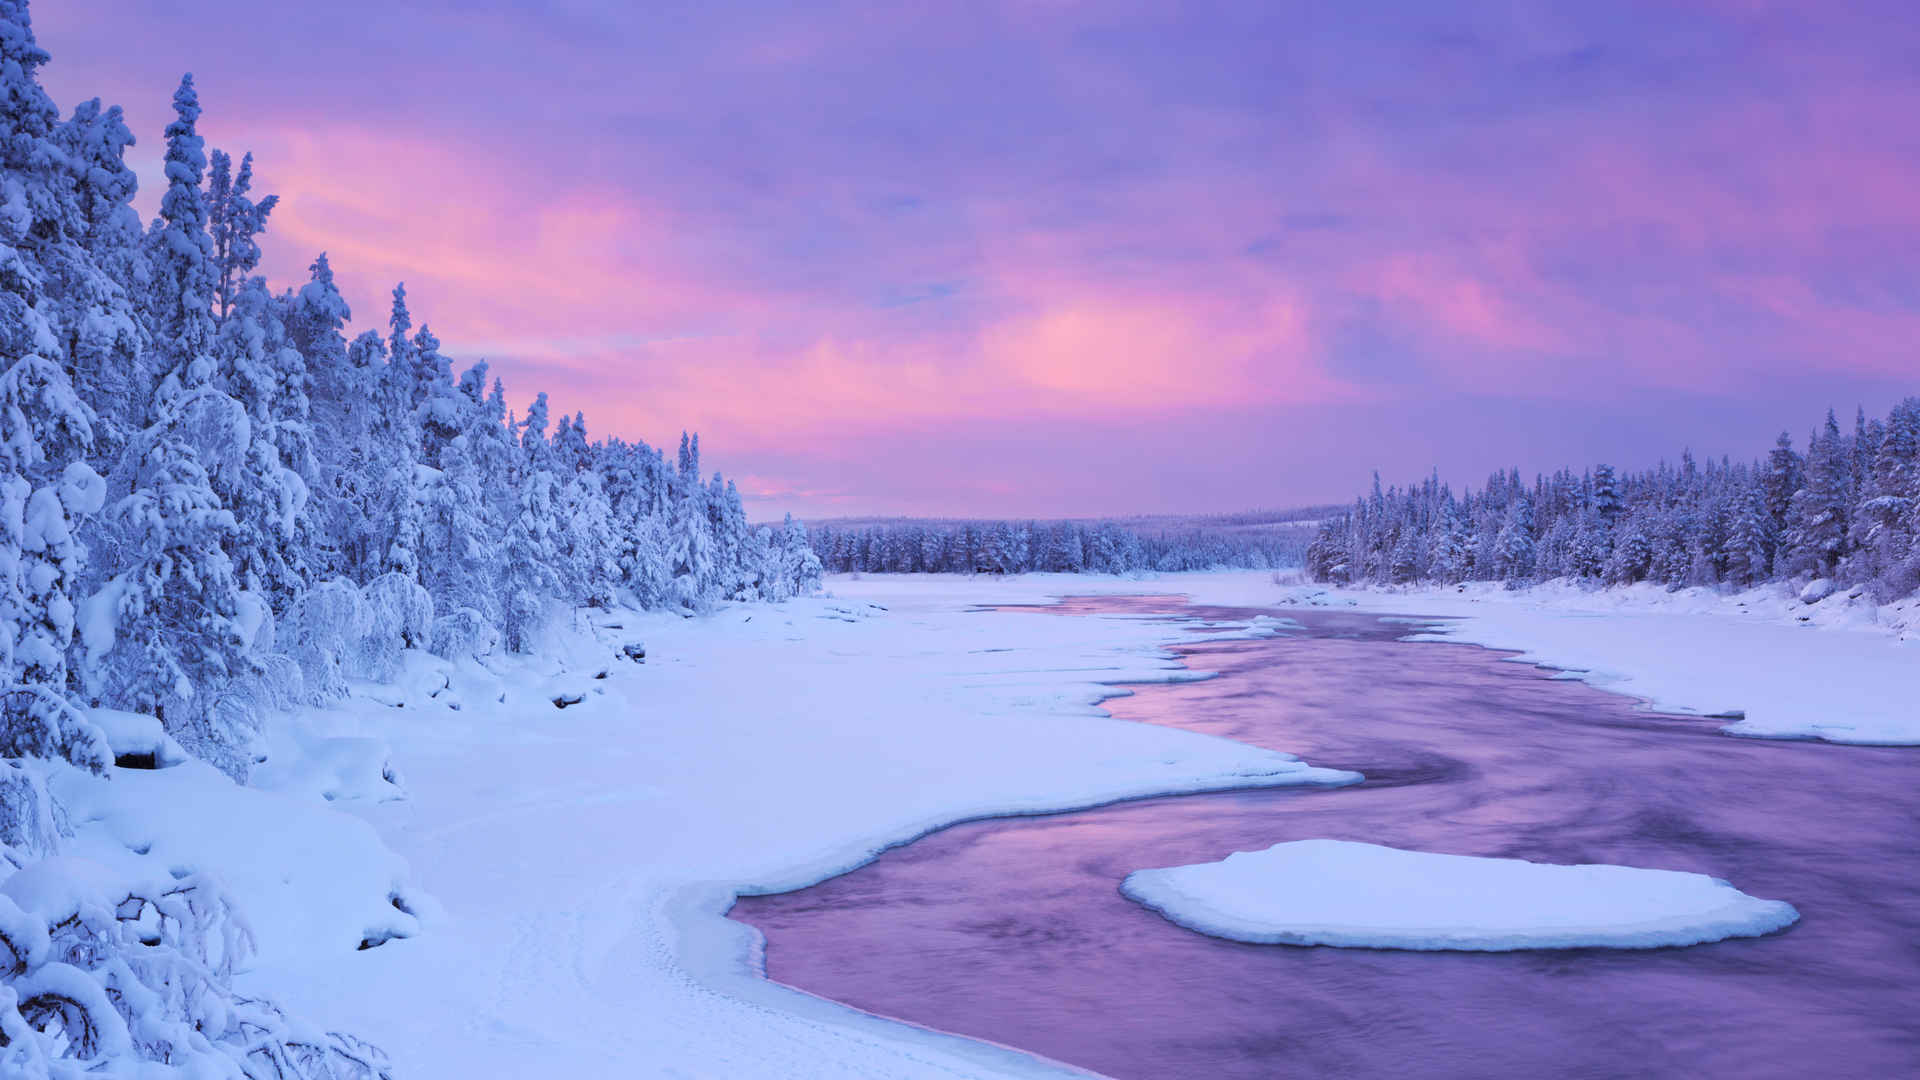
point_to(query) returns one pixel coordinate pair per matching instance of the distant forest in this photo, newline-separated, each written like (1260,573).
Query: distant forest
(1252,540)
(1844,512)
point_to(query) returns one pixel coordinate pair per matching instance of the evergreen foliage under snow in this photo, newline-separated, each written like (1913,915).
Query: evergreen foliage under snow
(1844,513)
(1256,541)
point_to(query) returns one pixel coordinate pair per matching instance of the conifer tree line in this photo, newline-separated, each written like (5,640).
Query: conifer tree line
(213,501)
(1072,547)
(1844,512)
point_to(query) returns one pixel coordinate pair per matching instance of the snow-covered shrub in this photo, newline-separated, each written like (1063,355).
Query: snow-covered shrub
(463,633)
(35,722)
(99,969)
(277,684)
(322,633)
(399,617)
(32,821)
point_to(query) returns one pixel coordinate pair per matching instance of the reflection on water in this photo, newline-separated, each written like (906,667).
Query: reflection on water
(1014,930)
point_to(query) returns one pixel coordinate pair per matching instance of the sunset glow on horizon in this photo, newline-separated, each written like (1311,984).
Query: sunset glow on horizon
(1060,259)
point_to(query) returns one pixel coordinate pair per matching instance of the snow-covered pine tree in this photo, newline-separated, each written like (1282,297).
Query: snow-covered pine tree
(98,272)
(440,410)
(689,545)
(1817,514)
(1781,480)
(179,302)
(336,393)
(170,628)
(393,482)
(234,220)
(800,566)
(1514,546)
(1748,550)
(258,367)
(530,580)
(464,511)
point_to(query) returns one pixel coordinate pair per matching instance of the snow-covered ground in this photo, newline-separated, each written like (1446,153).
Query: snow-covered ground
(541,888)
(546,899)
(1337,892)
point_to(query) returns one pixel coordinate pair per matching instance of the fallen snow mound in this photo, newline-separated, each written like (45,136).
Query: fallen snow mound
(1336,892)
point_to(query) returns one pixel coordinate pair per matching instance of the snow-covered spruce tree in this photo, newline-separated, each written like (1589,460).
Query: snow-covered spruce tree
(531,580)
(1748,552)
(589,570)
(462,518)
(1781,480)
(1817,513)
(181,282)
(234,220)
(338,387)
(800,567)
(169,628)
(99,274)
(268,492)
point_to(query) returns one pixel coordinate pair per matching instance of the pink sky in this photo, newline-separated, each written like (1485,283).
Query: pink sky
(1062,259)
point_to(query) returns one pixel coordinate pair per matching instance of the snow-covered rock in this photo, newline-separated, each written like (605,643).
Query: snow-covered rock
(1336,892)
(1817,590)
(138,741)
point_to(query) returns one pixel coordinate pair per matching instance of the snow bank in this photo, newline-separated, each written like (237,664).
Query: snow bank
(309,879)
(1841,669)
(1335,892)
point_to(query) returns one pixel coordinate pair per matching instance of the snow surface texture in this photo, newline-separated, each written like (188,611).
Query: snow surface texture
(1336,892)
(584,856)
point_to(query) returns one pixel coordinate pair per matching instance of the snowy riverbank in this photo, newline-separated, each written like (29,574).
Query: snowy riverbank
(1842,669)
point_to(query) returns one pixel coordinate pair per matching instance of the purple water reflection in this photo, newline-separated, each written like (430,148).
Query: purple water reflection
(1014,930)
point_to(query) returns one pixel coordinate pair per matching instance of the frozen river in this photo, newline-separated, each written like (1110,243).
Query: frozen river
(1013,930)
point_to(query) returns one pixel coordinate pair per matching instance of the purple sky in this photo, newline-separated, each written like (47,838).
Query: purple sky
(1055,258)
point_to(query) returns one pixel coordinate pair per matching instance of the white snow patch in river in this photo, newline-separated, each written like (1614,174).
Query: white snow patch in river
(1337,892)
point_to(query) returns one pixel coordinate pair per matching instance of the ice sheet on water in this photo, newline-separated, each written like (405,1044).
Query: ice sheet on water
(1337,892)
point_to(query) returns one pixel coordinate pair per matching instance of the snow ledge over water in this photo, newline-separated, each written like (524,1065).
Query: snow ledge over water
(1354,895)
